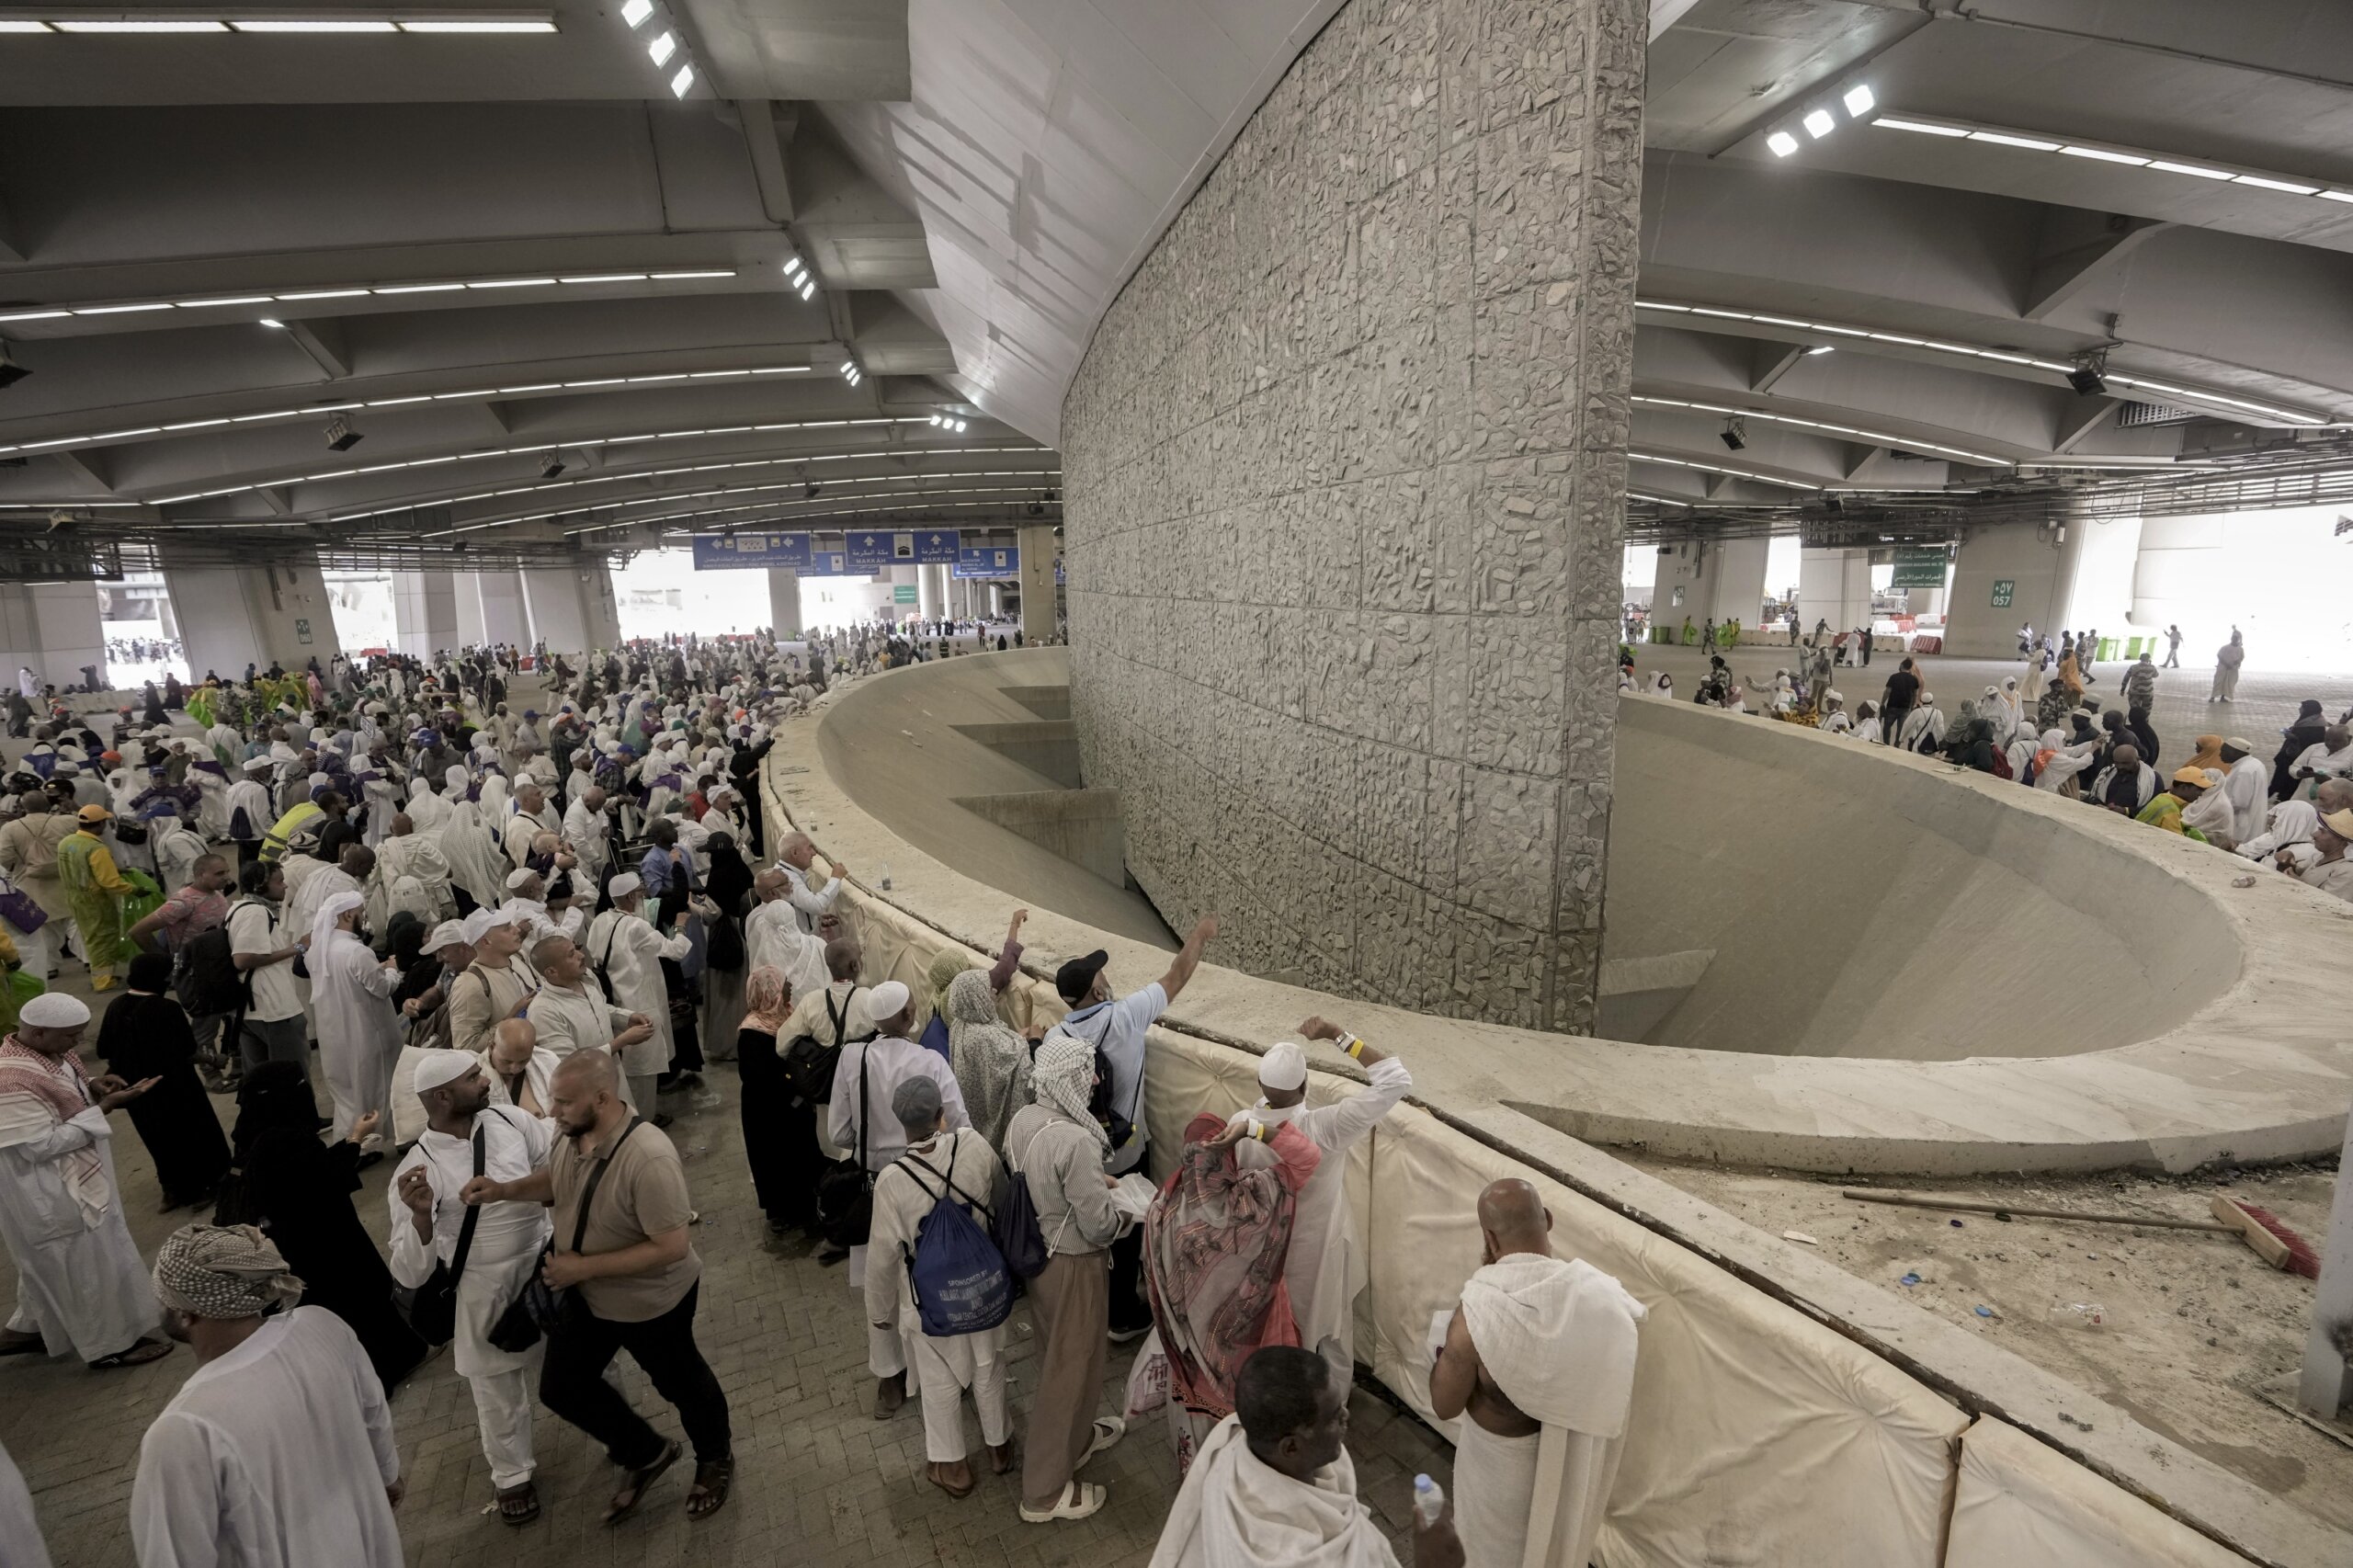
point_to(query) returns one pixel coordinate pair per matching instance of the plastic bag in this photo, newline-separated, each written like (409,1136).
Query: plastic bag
(1148,1378)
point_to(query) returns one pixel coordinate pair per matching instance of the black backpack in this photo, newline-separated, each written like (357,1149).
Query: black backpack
(808,1063)
(206,977)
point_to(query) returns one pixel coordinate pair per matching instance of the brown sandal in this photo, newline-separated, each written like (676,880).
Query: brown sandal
(519,1506)
(709,1493)
(632,1492)
(937,1473)
(138,1353)
(1000,1456)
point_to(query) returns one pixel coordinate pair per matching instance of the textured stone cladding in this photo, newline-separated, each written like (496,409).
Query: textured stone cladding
(1345,473)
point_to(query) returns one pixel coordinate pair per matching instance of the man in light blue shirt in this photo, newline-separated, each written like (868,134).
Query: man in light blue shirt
(1117,1028)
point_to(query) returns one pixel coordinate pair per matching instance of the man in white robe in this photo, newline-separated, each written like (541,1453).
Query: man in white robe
(426,1219)
(1273,1485)
(527,895)
(569,1012)
(278,1448)
(794,856)
(1324,1270)
(80,1286)
(412,874)
(20,1526)
(773,937)
(351,997)
(586,835)
(531,817)
(2247,787)
(308,887)
(1538,1364)
(627,951)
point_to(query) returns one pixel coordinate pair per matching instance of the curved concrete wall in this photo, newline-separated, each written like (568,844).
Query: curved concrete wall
(1344,485)
(1853,903)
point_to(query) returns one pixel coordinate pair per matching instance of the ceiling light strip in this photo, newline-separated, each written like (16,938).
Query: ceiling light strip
(2111,153)
(520,22)
(49,312)
(1881,437)
(1967,351)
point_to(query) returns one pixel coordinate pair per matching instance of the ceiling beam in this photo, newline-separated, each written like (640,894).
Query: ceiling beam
(768,129)
(2076,249)
(88,466)
(2078,422)
(1771,360)
(322,339)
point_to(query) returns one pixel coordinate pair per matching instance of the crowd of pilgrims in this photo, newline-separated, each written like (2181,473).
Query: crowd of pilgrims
(2049,729)
(507,936)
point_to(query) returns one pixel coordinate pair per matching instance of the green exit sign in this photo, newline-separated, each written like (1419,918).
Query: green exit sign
(903,593)
(2002,588)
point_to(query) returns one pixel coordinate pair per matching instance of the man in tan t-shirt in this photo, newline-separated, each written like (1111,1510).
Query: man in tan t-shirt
(636,1278)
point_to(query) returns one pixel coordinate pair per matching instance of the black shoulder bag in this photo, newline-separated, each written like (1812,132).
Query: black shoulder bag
(432,1307)
(846,1188)
(542,1308)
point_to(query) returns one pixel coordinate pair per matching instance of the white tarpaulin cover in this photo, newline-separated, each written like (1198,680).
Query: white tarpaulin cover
(2022,1505)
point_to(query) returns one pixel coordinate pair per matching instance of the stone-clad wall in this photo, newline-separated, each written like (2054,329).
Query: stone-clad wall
(1344,483)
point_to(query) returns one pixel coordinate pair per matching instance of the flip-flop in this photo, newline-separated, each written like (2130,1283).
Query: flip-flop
(639,1480)
(709,1493)
(931,1475)
(136,1355)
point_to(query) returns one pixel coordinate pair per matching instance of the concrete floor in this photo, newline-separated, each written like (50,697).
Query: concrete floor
(2265,703)
(818,1480)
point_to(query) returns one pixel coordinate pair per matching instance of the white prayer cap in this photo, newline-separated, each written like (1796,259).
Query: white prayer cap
(54,1010)
(887,1000)
(1834,697)
(516,879)
(628,882)
(436,1068)
(258,764)
(319,779)
(481,922)
(448,934)
(1284,1066)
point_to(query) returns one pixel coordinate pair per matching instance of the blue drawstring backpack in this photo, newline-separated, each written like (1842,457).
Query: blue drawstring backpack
(959,1277)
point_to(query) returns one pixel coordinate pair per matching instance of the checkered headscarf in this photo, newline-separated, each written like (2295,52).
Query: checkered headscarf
(222,1271)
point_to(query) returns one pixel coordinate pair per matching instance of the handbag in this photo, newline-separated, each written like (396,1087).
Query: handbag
(543,1308)
(17,908)
(432,1308)
(845,1190)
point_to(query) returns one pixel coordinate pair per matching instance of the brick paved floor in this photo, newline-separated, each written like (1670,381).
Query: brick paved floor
(819,1480)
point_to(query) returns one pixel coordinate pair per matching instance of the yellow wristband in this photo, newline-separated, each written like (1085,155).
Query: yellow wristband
(1355,1048)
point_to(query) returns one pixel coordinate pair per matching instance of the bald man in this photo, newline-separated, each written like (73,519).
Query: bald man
(773,935)
(1538,1342)
(794,856)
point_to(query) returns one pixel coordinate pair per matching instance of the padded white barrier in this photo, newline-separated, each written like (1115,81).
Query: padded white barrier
(1759,1434)
(2022,1505)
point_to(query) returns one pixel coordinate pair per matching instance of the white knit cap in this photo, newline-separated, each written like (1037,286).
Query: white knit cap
(628,882)
(54,1010)
(887,1000)
(516,879)
(436,1068)
(1284,1066)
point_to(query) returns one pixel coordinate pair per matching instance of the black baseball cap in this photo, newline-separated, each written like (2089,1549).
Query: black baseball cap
(1076,978)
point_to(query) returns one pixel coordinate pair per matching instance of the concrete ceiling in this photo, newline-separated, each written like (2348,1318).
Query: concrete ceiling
(971,181)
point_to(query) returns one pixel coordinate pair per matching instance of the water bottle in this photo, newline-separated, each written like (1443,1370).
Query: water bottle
(886,875)
(1429,1501)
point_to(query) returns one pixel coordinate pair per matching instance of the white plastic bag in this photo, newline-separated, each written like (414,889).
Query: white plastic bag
(1148,1378)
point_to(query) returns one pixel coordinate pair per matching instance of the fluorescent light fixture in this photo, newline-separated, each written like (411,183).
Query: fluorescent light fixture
(116,309)
(667,277)
(664,45)
(34,315)
(681,83)
(316,25)
(421,289)
(517,26)
(1782,143)
(2336,196)
(514,283)
(2003,138)
(1889,122)
(2199,170)
(2104,156)
(959,427)
(18,25)
(792,268)
(267,321)
(606,277)
(846,367)
(808,287)
(635,12)
(2288,186)
(231,300)
(1858,100)
(140,24)
(1822,348)
(323,295)
(1819,123)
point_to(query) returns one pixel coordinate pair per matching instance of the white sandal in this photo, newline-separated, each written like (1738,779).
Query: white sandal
(1108,1429)
(1079,1499)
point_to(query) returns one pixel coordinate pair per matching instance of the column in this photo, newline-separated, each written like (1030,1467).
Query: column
(784,601)
(552,601)
(425,612)
(500,594)
(931,591)
(232,616)
(54,629)
(2009,576)
(1834,586)
(603,606)
(1039,612)
(1739,581)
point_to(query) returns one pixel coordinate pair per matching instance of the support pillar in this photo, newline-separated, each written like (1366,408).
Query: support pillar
(552,596)
(784,601)
(1040,608)
(425,612)
(231,616)
(500,594)
(1834,586)
(53,628)
(2325,1381)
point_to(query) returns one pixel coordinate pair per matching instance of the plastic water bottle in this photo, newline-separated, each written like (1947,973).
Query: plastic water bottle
(1429,1501)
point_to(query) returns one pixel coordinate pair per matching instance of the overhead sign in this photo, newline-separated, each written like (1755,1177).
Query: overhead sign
(831,563)
(902,594)
(1919,566)
(2004,588)
(938,547)
(931,546)
(988,561)
(720,551)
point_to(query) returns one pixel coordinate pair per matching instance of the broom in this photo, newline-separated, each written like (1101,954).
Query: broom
(2261,1230)
(2272,1241)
